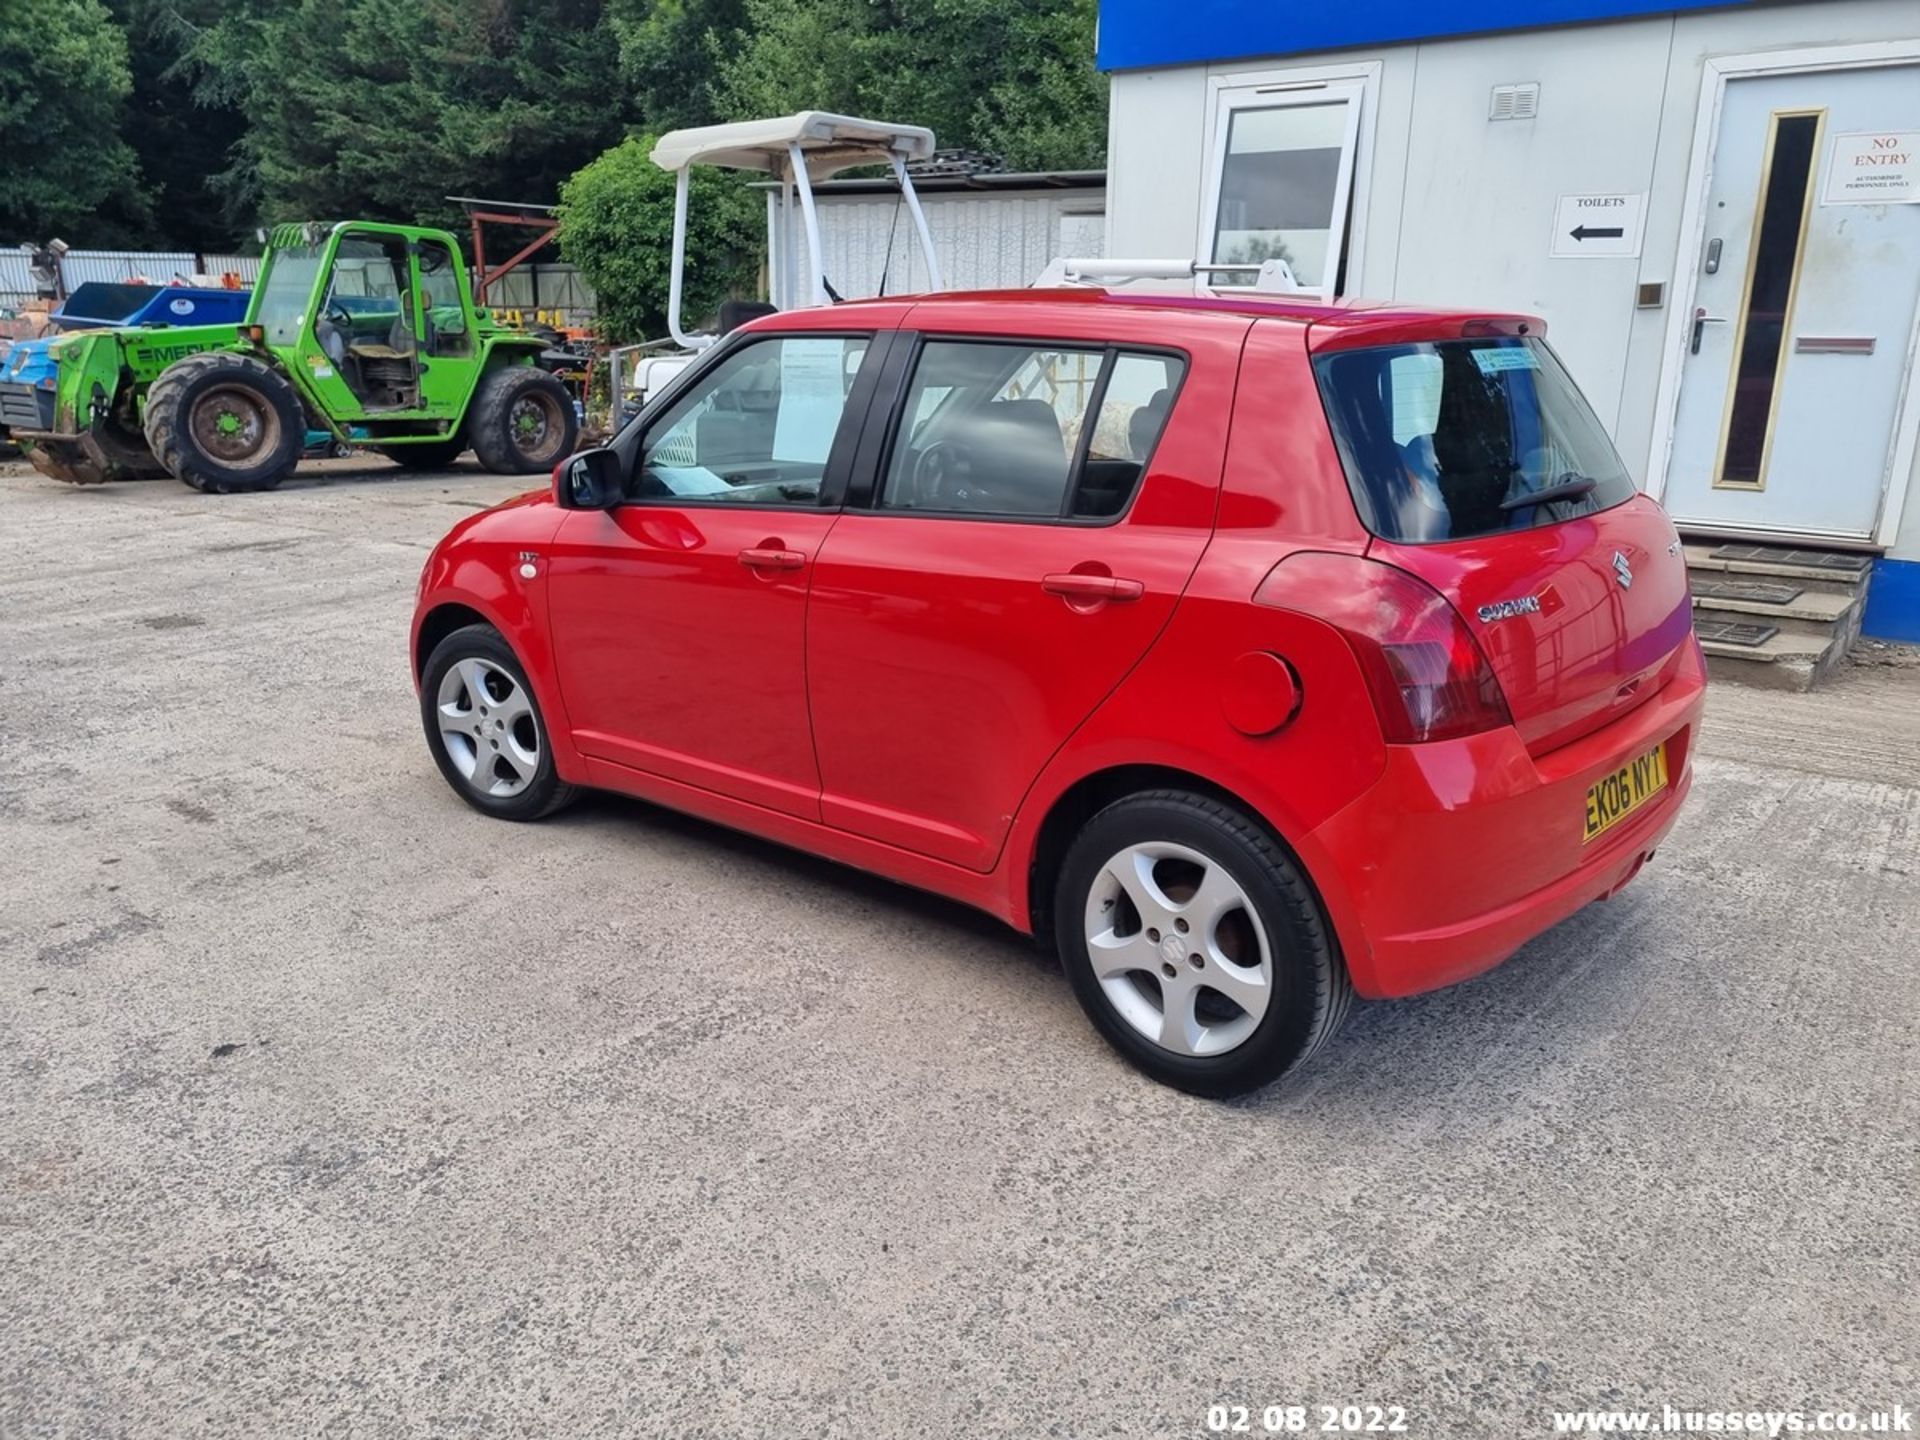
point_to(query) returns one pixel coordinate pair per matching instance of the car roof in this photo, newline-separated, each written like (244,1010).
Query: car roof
(1337,325)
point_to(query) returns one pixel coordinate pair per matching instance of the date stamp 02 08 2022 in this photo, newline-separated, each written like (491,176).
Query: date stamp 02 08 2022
(1307,1419)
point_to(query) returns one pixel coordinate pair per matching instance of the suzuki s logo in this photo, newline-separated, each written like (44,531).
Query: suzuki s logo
(1507,609)
(1622,571)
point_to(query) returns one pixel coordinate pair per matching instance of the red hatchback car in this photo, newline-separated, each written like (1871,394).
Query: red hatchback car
(1253,653)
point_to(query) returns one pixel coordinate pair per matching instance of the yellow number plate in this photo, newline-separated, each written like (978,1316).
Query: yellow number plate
(1624,791)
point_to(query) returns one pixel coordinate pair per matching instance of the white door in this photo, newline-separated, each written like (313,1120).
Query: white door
(1791,387)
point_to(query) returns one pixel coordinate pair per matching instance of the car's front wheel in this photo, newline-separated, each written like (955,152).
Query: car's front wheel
(485,728)
(1195,944)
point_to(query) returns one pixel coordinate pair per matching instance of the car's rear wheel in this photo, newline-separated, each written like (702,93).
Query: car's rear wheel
(485,728)
(1195,944)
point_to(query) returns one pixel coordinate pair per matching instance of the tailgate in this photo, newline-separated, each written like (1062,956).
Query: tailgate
(1581,620)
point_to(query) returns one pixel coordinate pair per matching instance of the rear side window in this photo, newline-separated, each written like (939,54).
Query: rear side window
(1452,439)
(1023,430)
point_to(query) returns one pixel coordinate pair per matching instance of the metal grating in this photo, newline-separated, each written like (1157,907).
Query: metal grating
(1514,102)
(24,408)
(1807,559)
(1760,592)
(1728,632)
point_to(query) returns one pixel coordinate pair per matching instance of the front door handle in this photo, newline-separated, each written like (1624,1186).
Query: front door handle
(1700,322)
(769,558)
(1075,586)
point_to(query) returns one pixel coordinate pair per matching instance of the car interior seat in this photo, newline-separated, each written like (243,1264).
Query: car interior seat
(1019,456)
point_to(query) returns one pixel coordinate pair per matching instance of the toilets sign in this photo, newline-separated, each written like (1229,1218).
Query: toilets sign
(1874,167)
(1598,227)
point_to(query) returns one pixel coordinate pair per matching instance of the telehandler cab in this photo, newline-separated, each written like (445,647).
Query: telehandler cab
(363,330)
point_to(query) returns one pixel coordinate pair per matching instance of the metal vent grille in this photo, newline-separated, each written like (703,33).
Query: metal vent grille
(1514,102)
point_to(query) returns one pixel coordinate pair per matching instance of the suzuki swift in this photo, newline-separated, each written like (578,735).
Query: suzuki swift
(1252,654)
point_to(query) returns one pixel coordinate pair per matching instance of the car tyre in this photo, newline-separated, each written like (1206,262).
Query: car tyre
(1195,944)
(486,730)
(225,423)
(522,421)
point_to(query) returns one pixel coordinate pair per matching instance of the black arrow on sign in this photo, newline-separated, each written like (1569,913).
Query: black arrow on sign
(1587,232)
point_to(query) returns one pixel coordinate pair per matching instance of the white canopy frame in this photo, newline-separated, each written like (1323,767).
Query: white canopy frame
(795,150)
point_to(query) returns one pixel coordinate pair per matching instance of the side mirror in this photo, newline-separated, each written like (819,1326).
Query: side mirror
(588,481)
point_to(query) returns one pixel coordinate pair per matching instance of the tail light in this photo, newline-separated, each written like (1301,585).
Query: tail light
(1426,672)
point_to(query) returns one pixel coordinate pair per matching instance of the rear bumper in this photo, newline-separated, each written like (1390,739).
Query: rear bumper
(1465,850)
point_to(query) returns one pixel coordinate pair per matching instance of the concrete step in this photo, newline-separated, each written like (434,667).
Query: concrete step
(1776,600)
(1785,662)
(1805,602)
(1704,617)
(1820,570)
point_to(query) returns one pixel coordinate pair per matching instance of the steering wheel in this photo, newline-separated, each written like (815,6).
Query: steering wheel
(941,476)
(337,313)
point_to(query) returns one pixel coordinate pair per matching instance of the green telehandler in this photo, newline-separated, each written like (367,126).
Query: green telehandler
(363,330)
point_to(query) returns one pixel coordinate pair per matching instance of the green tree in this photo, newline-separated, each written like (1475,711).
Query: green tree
(184,143)
(1018,81)
(671,53)
(64,83)
(220,47)
(382,108)
(616,224)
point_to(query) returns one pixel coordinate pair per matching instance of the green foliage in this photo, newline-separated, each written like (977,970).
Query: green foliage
(64,82)
(1015,80)
(218,49)
(381,108)
(616,224)
(182,143)
(185,123)
(671,53)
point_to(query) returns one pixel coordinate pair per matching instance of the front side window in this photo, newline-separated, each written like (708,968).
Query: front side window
(758,429)
(1002,429)
(281,305)
(1454,439)
(1282,179)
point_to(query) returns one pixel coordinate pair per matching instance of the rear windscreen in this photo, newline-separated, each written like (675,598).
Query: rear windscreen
(1448,439)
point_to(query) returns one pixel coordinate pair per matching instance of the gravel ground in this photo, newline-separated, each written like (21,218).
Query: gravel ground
(332,1108)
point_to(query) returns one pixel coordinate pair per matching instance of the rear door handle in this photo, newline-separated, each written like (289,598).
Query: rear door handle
(760,558)
(1075,586)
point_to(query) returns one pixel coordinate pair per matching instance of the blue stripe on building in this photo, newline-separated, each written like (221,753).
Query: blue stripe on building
(1139,33)
(1893,601)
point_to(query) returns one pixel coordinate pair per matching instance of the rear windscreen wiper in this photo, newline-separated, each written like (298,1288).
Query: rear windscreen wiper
(1567,487)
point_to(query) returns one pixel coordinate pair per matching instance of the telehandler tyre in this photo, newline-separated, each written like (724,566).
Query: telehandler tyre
(222,423)
(522,421)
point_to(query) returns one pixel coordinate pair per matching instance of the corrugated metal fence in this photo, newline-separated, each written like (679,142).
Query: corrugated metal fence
(531,287)
(986,240)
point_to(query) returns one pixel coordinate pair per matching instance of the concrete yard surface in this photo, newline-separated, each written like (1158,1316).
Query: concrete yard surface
(333,1108)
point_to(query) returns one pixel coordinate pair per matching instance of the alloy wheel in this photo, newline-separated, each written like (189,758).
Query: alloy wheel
(488,727)
(1178,949)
